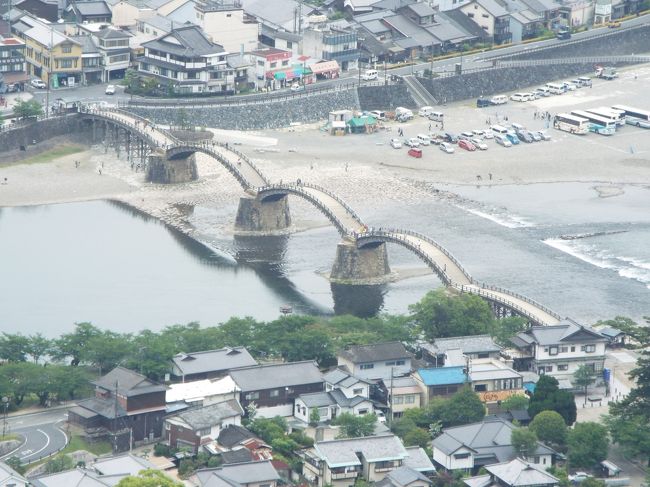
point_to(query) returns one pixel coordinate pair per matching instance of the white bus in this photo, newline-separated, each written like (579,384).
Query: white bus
(614,115)
(635,116)
(600,125)
(571,123)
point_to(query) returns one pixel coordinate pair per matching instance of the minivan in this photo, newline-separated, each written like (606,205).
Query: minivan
(555,88)
(425,111)
(424,139)
(370,74)
(543,91)
(584,81)
(437,116)
(517,126)
(499,99)
(498,129)
(482,103)
(378,114)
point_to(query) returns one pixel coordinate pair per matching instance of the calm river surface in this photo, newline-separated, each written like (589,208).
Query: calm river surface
(584,256)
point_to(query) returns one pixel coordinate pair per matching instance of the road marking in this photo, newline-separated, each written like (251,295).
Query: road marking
(44,447)
(26,452)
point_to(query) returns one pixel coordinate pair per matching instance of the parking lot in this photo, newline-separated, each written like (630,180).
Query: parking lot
(622,157)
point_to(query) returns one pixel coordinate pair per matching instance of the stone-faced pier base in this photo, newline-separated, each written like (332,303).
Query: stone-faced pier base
(171,171)
(367,265)
(270,215)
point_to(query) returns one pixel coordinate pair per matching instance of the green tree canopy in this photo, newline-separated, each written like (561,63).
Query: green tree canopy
(516,402)
(417,437)
(524,442)
(25,109)
(14,347)
(506,328)
(549,397)
(355,426)
(443,314)
(269,429)
(149,478)
(462,408)
(588,444)
(583,377)
(549,427)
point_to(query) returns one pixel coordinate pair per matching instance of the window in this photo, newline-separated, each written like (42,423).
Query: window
(483,355)
(460,456)
(66,49)
(66,63)
(274,64)
(204,432)
(394,362)
(357,392)
(562,367)
(598,367)
(552,351)
(486,16)
(564,349)
(588,348)
(367,366)
(260,63)
(573,349)
(470,15)
(363,411)
(398,400)
(251,396)
(480,387)
(289,44)
(285,62)
(274,393)
(410,399)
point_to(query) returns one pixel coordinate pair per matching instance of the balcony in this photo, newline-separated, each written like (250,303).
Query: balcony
(345,475)
(350,55)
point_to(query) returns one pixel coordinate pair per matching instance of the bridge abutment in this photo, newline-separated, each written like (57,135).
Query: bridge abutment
(367,265)
(162,170)
(262,216)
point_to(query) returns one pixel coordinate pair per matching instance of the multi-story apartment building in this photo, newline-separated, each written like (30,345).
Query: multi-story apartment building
(187,61)
(332,44)
(227,24)
(50,55)
(12,64)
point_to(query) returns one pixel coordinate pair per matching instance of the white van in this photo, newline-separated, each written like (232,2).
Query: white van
(378,114)
(519,97)
(584,81)
(543,91)
(424,139)
(517,126)
(437,116)
(499,130)
(499,99)
(555,88)
(370,74)
(402,114)
(425,111)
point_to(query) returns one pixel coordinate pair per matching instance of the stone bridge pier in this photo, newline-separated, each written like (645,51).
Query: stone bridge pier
(164,170)
(269,215)
(360,266)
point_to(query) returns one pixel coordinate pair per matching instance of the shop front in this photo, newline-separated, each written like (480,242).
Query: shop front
(326,70)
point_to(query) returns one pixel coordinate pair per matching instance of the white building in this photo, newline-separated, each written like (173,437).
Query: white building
(379,361)
(227,24)
(203,392)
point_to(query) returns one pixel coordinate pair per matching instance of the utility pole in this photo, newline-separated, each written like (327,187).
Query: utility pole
(49,73)
(390,399)
(5,402)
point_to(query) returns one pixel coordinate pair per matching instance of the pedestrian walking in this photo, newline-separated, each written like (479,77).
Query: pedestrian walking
(346,167)
(99,170)
(490,176)
(429,127)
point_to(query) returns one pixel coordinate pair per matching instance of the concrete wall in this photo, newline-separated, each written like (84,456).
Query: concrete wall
(274,114)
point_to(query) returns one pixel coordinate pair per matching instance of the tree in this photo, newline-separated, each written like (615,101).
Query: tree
(588,444)
(592,482)
(549,397)
(417,437)
(402,426)
(15,463)
(516,402)
(506,328)
(631,328)
(37,346)
(13,347)
(583,377)
(269,428)
(549,427)
(524,442)
(355,426)
(58,464)
(314,417)
(149,478)
(464,407)
(25,109)
(442,314)
(75,344)
(107,349)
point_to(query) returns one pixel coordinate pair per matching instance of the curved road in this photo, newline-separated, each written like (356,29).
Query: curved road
(42,433)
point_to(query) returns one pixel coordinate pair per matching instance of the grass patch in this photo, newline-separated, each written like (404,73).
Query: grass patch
(54,153)
(96,447)
(9,437)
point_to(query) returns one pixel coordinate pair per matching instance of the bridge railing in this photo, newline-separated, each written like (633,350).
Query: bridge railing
(428,240)
(325,209)
(108,115)
(520,296)
(208,144)
(499,299)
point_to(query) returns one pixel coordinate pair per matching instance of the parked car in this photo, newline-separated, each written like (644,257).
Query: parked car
(465,135)
(569,86)
(297,87)
(503,140)
(576,82)
(535,135)
(563,34)
(466,144)
(415,152)
(579,477)
(446,147)
(512,137)
(488,134)
(525,136)
(449,137)
(519,97)
(395,143)
(37,83)
(110,90)
(378,114)
(424,139)
(499,100)
(482,103)
(479,143)
(412,142)
(542,91)
(478,133)
(543,135)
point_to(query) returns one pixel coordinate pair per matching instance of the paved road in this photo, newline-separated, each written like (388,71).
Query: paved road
(42,432)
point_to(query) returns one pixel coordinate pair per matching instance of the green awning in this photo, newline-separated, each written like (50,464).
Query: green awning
(280,75)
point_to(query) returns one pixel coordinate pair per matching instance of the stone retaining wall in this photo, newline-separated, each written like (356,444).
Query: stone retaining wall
(31,134)
(274,114)
(385,97)
(500,80)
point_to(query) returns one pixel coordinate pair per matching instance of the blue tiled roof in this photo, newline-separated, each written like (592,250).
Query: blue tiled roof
(442,376)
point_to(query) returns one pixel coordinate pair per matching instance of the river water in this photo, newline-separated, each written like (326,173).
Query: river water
(584,256)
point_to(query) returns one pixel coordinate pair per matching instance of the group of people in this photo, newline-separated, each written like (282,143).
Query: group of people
(541,115)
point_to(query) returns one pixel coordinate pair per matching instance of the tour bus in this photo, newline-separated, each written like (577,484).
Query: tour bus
(555,88)
(600,125)
(635,116)
(571,123)
(609,113)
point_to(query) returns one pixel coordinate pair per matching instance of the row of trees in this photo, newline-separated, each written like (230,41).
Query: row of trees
(438,314)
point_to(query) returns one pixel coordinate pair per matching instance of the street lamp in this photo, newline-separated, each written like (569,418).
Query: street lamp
(5,401)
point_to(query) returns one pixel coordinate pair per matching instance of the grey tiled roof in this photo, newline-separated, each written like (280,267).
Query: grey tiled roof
(421,9)
(93,7)
(342,378)
(192,41)
(468,344)
(238,474)
(377,352)
(122,465)
(418,460)
(317,399)
(128,382)
(373,448)
(493,7)
(565,331)
(240,455)
(518,473)
(406,475)
(233,435)
(211,415)
(213,360)
(276,375)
